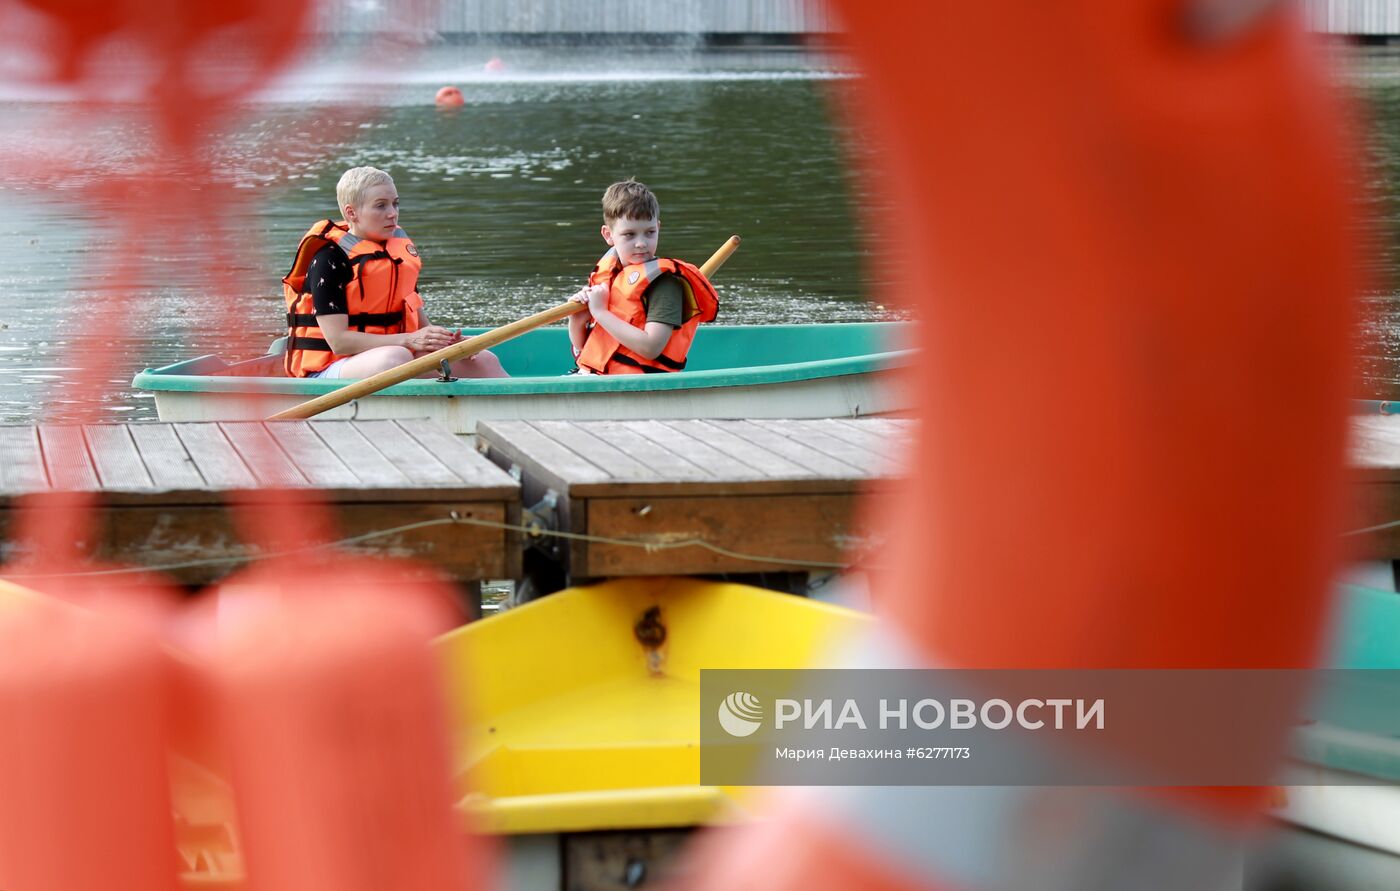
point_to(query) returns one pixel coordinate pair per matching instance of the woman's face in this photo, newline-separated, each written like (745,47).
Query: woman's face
(378,214)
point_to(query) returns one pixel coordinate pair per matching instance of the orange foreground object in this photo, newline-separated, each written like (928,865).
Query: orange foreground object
(330,706)
(332,710)
(83,745)
(450,97)
(1140,238)
(1128,236)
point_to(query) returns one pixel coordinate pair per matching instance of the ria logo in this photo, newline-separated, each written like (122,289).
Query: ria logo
(740,714)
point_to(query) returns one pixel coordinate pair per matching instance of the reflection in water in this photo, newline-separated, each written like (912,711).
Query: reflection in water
(501,197)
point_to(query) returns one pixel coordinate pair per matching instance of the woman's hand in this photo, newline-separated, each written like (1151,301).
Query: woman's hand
(430,339)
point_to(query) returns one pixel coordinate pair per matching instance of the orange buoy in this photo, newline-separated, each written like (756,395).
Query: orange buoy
(450,97)
(494,65)
(333,714)
(1187,226)
(83,746)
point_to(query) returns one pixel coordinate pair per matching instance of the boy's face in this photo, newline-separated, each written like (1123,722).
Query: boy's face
(378,214)
(635,240)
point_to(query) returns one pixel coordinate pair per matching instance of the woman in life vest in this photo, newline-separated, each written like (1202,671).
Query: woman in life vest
(644,309)
(353,308)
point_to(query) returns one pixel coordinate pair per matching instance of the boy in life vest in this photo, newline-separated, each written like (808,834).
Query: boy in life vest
(353,308)
(642,310)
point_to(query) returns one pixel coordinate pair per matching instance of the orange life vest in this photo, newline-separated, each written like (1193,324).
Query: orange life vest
(382,298)
(603,354)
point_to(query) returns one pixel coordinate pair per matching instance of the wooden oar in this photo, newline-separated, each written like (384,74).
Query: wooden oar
(415,367)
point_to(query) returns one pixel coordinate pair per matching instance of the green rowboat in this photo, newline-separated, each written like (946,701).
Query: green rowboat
(734,371)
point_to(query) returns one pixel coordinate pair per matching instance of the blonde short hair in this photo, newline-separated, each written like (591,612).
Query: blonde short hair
(355,182)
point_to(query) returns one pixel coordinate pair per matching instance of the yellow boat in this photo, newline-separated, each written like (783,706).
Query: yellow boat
(584,754)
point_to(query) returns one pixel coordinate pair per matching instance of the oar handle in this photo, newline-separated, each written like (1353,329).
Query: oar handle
(414,367)
(717,259)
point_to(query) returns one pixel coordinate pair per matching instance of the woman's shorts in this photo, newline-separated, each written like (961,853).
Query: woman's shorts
(332,370)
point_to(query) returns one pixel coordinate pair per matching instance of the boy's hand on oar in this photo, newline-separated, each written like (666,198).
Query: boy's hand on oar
(595,297)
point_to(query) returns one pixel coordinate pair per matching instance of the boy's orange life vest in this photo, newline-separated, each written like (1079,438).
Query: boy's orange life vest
(601,351)
(382,298)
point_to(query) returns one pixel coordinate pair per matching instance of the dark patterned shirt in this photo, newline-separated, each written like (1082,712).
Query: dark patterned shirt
(326,279)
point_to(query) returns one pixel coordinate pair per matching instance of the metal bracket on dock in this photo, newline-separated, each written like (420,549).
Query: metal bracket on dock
(541,517)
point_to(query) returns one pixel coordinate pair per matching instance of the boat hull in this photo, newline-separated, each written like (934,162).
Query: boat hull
(580,743)
(1344,783)
(802,371)
(849,396)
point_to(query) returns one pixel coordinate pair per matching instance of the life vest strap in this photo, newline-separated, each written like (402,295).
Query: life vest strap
(382,319)
(671,364)
(377,255)
(308,343)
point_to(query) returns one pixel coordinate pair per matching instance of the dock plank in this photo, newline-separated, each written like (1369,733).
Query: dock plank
(404,452)
(162,491)
(815,435)
(664,462)
(861,434)
(892,427)
(67,460)
(214,456)
(1375,446)
(577,438)
(892,445)
(697,449)
(591,458)
(359,455)
(447,449)
(763,496)
(116,459)
(777,438)
(262,455)
(558,466)
(21,461)
(317,462)
(169,464)
(741,450)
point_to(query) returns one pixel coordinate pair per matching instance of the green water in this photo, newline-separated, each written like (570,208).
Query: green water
(1375,73)
(501,198)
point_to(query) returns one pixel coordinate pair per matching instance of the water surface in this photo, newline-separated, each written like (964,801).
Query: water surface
(501,198)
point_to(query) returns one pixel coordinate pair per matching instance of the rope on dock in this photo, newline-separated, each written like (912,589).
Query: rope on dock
(650,545)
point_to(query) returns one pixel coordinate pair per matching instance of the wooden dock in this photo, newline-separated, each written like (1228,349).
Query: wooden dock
(784,490)
(1375,483)
(162,489)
